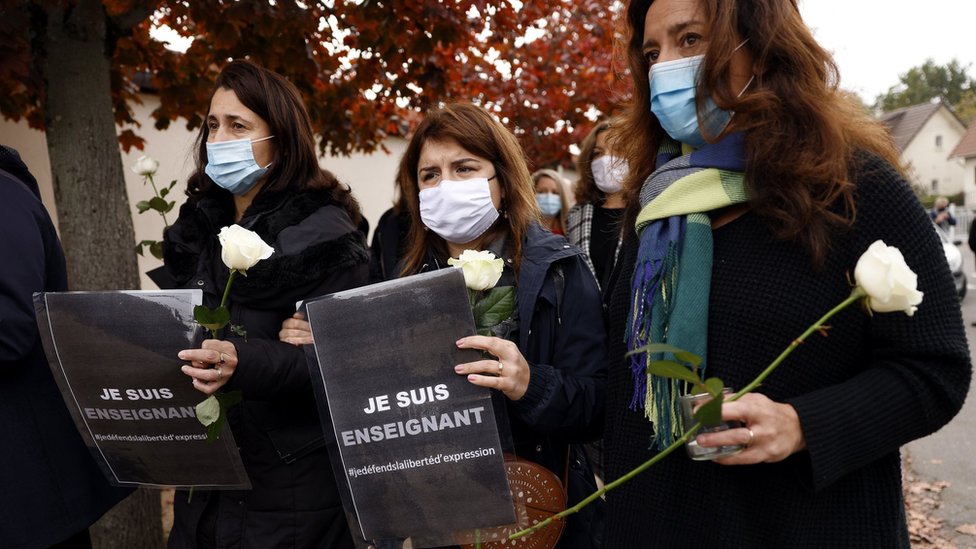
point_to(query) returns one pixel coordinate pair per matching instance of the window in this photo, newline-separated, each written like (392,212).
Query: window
(935,185)
(938,142)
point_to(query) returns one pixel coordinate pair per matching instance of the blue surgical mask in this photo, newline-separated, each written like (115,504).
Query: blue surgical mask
(550,204)
(231,164)
(673,101)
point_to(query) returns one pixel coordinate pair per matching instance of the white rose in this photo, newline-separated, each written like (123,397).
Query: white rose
(890,284)
(146,166)
(481,269)
(242,249)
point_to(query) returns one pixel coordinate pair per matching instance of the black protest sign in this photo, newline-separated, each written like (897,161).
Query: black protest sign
(417,444)
(114,357)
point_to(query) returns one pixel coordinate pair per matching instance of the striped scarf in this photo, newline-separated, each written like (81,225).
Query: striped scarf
(672,275)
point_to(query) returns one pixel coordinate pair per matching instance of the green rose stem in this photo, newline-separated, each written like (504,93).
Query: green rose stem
(213,334)
(156,192)
(223,300)
(856,295)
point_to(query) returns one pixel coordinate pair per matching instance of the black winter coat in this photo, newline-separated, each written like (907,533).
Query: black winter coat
(294,501)
(875,383)
(50,487)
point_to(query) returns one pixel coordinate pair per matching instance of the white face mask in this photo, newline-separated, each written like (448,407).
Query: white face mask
(458,211)
(609,173)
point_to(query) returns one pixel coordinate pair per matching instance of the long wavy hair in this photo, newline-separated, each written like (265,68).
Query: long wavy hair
(802,131)
(295,165)
(586,191)
(479,133)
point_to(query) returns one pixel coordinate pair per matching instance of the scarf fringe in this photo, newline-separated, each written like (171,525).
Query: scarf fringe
(654,279)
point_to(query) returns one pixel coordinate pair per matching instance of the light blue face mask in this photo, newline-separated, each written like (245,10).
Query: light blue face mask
(231,164)
(673,101)
(550,204)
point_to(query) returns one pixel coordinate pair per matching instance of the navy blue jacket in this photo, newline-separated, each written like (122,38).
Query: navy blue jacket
(50,487)
(562,336)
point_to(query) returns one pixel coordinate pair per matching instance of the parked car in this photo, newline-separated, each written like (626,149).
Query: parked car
(954,257)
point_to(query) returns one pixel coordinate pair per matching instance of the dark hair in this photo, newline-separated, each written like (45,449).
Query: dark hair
(802,131)
(479,133)
(586,191)
(278,102)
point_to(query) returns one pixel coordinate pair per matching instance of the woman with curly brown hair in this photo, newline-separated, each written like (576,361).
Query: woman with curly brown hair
(755,185)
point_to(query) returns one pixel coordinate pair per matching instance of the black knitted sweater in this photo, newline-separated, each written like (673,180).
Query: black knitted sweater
(874,384)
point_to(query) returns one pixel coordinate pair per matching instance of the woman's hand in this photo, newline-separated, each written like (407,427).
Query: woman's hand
(509,374)
(772,431)
(211,365)
(296,330)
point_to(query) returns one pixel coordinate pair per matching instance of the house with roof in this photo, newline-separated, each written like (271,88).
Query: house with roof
(965,151)
(925,135)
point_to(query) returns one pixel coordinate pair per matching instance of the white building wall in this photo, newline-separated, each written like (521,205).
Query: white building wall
(969,180)
(369,176)
(930,162)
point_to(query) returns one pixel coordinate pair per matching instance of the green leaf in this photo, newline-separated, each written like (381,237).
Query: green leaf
(156,248)
(710,413)
(163,192)
(142,206)
(714,386)
(673,370)
(169,206)
(679,353)
(208,411)
(158,204)
(211,319)
(139,248)
(212,412)
(495,306)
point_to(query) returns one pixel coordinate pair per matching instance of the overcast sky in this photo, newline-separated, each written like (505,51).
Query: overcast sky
(874,41)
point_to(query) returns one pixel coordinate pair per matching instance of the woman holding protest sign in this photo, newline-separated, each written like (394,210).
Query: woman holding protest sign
(257,168)
(467,187)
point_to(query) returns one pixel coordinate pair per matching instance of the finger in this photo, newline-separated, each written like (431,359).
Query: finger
(730,437)
(206,388)
(487,367)
(491,382)
(499,347)
(206,375)
(299,315)
(297,341)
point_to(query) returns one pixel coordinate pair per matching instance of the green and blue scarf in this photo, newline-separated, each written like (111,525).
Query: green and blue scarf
(672,275)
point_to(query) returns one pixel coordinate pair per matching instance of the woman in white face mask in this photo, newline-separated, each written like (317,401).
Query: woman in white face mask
(467,187)
(593,223)
(755,185)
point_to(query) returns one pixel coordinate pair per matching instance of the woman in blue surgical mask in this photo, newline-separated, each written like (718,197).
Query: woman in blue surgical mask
(755,186)
(550,195)
(257,167)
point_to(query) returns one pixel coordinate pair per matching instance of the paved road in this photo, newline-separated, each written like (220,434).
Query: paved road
(950,454)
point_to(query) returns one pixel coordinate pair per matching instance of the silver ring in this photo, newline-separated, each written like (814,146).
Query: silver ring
(219,374)
(501,366)
(752,436)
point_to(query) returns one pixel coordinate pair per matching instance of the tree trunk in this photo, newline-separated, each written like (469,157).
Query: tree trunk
(92,204)
(86,166)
